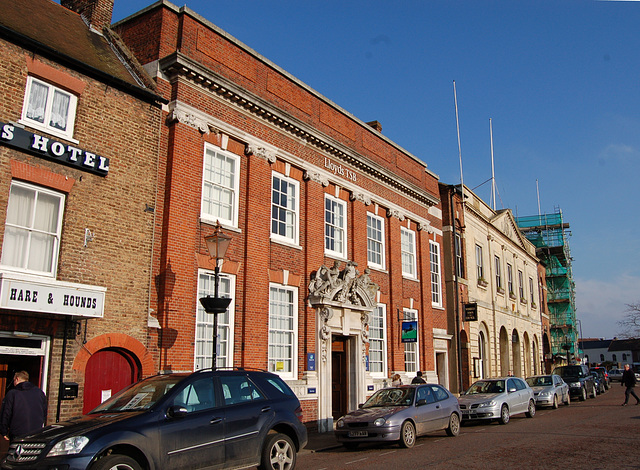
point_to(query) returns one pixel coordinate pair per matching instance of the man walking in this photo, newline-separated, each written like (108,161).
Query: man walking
(24,408)
(629,380)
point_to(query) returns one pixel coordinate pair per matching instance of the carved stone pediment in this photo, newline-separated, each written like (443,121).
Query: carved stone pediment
(346,287)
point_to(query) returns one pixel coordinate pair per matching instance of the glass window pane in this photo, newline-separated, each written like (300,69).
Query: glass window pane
(36,107)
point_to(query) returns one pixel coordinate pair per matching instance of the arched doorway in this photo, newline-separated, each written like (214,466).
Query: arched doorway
(536,358)
(517,355)
(107,372)
(527,355)
(504,352)
(465,362)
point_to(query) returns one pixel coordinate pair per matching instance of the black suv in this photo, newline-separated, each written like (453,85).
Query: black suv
(223,419)
(581,382)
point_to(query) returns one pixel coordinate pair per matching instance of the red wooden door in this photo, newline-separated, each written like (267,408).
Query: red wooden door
(108,371)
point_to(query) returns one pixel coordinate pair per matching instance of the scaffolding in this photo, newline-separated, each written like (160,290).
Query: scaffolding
(550,235)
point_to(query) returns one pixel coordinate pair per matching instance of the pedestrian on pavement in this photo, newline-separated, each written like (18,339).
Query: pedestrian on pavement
(396,380)
(629,380)
(24,408)
(418,378)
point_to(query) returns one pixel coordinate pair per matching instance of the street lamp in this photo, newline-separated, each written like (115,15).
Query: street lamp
(217,244)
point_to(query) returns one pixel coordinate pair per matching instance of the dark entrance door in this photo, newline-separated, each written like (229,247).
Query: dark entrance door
(339,374)
(108,371)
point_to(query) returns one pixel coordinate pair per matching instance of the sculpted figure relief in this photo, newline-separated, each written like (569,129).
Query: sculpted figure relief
(344,286)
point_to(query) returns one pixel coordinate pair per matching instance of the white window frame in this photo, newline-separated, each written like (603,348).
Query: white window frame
(532,292)
(436,277)
(210,157)
(458,254)
(521,285)
(408,253)
(510,279)
(46,126)
(479,262)
(336,225)
(378,333)
(412,349)
(31,231)
(294,211)
(498,268)
(203,342)
(293,373)
(375,242)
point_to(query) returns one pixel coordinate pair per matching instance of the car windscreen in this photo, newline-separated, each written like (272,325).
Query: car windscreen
(486,386)
(391,397)
(539,381)
(139,396)
(569,371)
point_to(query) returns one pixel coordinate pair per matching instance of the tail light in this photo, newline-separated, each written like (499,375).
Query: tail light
(298,413)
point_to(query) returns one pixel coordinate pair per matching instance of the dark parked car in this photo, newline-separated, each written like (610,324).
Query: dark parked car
(400,414)
(604,376)
(599,381)
(223,419)
(581,382)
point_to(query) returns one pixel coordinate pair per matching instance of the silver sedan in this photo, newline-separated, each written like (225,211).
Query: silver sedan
(549,390)
(497,399)
(400,414)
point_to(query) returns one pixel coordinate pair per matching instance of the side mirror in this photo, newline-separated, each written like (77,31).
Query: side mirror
(177,411)
(512,389)
(422,401)
(360,405)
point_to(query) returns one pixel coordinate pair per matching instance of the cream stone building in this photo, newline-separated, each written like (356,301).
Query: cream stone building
(504,290)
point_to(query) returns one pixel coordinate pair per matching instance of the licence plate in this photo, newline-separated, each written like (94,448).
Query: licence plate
(358,433)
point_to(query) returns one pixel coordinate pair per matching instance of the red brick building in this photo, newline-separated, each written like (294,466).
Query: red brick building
(79,125)
(337,230)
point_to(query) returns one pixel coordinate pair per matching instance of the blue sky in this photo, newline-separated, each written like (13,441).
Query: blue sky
(559,80)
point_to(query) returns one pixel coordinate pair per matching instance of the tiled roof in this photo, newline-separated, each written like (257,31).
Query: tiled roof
(625,345)
(46,27)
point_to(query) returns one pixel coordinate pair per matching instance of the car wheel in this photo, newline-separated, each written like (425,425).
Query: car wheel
(594,392)
(350,445)
(454,425)
(555,402)
(116,462)
(531,409)
(278,453)
(568,402)
(583,394)
(504,414)
(407,434)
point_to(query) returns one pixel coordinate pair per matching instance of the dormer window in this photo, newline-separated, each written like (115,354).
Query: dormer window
(49,108)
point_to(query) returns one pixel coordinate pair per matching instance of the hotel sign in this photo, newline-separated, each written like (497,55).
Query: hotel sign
(53,150)
(62,298)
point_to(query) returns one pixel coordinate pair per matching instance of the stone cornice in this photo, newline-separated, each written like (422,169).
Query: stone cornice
(178,65)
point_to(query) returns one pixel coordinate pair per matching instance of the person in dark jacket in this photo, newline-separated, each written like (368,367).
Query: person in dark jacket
(418,379)
(629,380)
(24,408)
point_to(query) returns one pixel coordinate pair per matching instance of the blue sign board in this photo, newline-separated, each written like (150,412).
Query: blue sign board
(311,361)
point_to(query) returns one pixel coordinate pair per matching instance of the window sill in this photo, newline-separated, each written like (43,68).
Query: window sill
(46,130)
(285,242)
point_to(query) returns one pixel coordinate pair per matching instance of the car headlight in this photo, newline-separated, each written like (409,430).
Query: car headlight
(340,423)
(486,404)
(379,422)
(575,384)
(544,394)
(70,446)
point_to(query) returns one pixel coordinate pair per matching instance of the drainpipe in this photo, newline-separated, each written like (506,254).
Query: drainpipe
(457,290)
(64,353)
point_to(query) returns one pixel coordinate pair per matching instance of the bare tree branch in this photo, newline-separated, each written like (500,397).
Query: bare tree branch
(630,323)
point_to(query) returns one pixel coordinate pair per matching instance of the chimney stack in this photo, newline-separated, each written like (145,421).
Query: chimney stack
(98,13)
(376,125)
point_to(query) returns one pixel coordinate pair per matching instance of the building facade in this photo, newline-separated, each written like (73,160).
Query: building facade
(78,151)
(495,291)
(335,258)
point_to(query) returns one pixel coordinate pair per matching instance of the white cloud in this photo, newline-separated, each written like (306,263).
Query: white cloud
(600,304)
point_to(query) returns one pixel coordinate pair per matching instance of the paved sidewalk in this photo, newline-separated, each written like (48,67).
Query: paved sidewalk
(320,441)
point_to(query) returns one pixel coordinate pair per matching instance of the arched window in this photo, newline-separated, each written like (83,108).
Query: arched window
(601,357)
(624,357)
(615,358)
